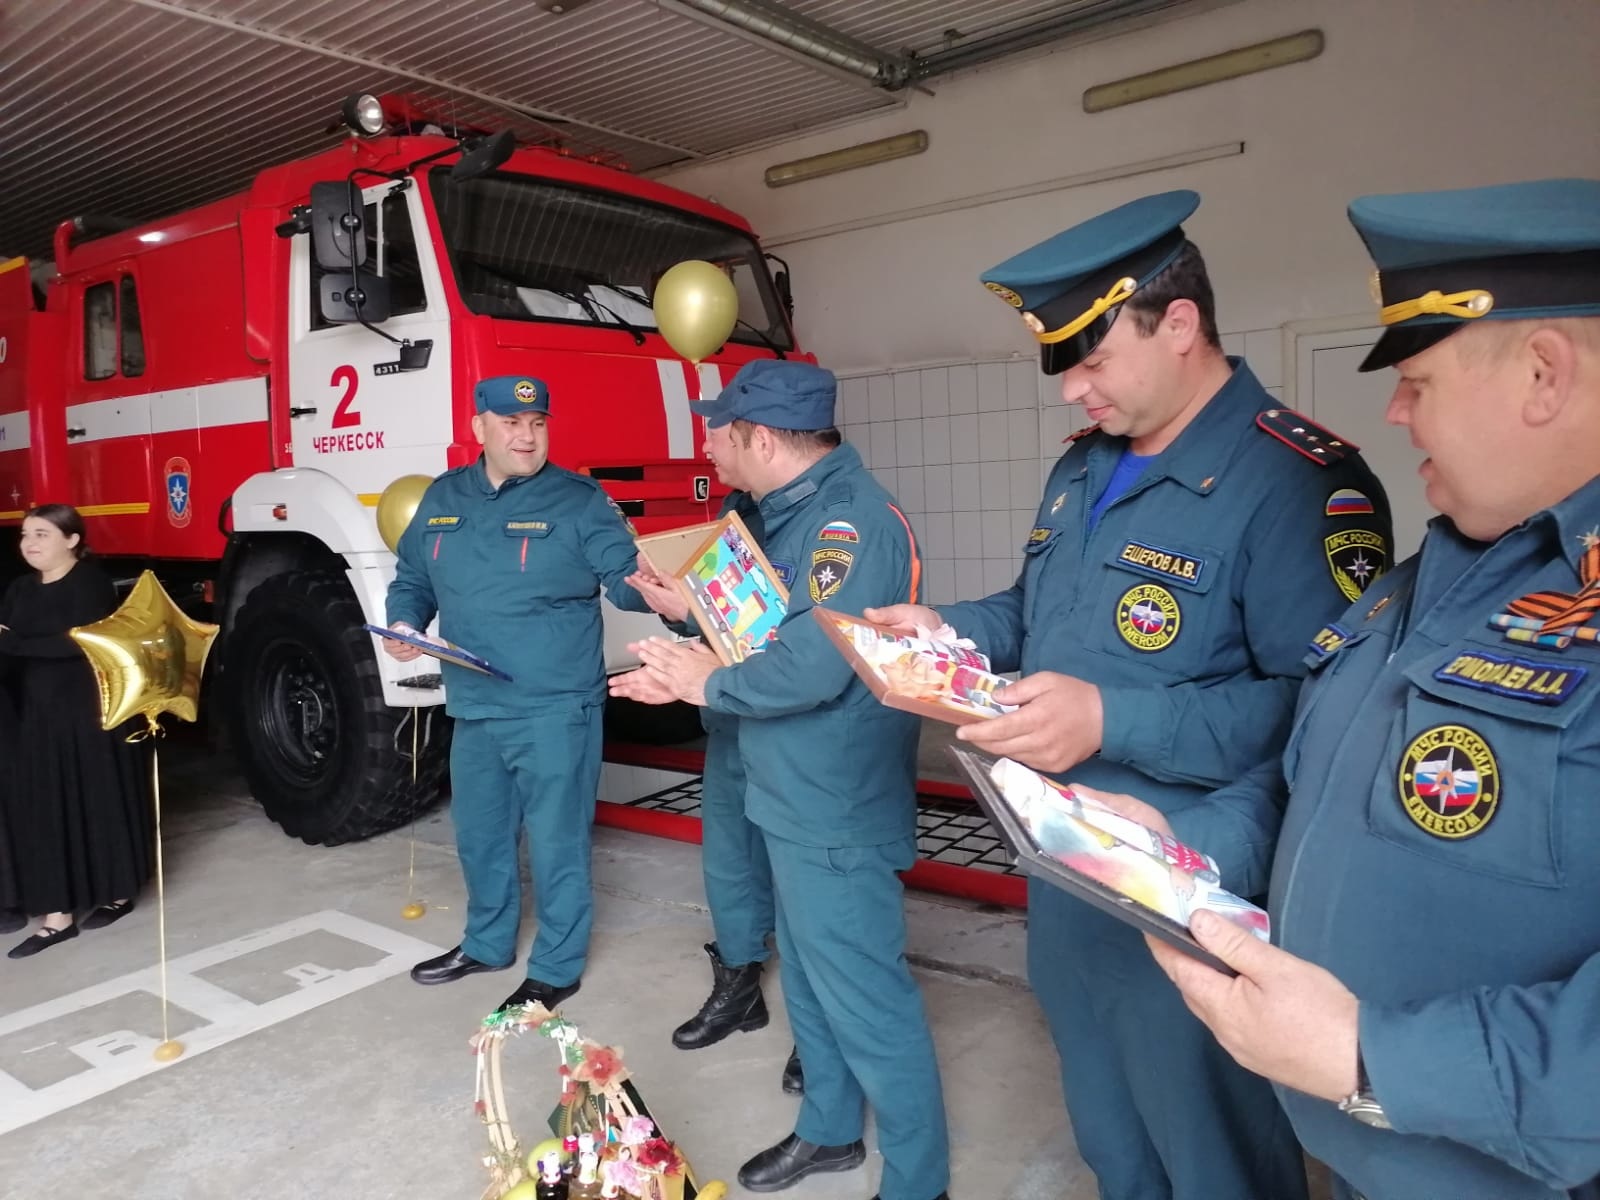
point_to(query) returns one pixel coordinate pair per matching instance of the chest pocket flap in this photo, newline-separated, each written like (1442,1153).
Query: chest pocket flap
(1479,765)
(527,528)
(1194,569)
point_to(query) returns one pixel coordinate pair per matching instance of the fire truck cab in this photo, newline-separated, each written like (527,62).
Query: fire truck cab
(226,394)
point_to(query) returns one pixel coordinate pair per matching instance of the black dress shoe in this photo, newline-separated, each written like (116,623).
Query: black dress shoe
(42,940)
(108,914)
(735,1005)
(449,967)
(11,920)
(792,1159)
(537,991)
(794,1080)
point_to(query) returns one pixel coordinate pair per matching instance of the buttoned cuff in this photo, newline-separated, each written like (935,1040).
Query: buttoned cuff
(1131,729)
(713,689)
(1429,1067)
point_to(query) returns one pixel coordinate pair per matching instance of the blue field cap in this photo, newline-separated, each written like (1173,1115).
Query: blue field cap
(1510,252)
(780,394)
(1070,287)
(511,394)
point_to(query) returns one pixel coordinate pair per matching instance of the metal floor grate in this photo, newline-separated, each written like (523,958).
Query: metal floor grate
(949,832)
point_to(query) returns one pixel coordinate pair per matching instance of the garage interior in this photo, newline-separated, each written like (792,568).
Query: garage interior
(314,1067)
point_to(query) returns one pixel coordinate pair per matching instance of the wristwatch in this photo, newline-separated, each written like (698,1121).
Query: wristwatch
(1361,1104)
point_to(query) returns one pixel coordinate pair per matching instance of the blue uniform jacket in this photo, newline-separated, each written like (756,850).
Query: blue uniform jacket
(514,574)
(827,764)
(1189,605)
(1441,856)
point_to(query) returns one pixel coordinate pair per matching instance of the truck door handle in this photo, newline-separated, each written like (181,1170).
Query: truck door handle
(75,431)
(301,412)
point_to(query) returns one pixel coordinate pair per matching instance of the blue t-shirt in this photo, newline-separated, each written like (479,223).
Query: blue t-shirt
(1129,467)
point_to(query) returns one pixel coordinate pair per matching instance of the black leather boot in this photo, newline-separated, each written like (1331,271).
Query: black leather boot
(735,1005)
(791,1160)
(794,1079)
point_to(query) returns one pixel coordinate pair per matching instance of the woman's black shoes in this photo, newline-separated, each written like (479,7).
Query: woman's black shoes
(108,914)
(42,940)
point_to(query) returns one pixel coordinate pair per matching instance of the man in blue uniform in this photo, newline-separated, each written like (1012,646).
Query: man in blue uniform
(1186,547)
(511,552)
(1439,861)
(738,879)
(831,782)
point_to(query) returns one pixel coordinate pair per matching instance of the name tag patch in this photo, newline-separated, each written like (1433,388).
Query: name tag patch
(785,572)
(1518,678)
(1163,564)
(527,529)
(444,524)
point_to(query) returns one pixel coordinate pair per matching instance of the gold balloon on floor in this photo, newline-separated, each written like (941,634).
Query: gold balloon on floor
(398,505)
(147,656)
(696,306)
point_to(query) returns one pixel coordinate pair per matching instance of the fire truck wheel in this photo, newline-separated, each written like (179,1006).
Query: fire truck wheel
(326,757)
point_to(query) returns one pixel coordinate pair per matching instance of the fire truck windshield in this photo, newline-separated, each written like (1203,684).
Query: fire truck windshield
(529,249)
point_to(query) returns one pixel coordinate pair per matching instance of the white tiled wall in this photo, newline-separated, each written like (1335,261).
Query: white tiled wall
(966,448)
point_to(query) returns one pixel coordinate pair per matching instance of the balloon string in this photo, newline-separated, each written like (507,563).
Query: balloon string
(161,888)
(411,873)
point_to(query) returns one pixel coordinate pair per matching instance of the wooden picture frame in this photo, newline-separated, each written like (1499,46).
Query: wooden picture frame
(955,687)
(734,595)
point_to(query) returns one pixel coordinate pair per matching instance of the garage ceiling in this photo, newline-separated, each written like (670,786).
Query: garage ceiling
(136,108)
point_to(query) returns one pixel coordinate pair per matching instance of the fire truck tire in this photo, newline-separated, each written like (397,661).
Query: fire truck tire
(325,756)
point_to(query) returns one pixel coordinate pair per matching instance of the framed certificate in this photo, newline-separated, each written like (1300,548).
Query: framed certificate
(1136,874)
(443,651)
(932,679)
(734,594)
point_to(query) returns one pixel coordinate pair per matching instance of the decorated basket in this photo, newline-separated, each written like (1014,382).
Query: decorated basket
(604,1142)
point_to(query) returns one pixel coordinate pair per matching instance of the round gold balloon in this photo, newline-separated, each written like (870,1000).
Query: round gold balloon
(695,306)
(398,505)
(147,656)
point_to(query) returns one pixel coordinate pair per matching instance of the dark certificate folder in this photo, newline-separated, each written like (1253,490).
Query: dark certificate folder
(1136,874)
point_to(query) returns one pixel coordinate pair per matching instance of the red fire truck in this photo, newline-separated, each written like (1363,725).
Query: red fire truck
(225,395)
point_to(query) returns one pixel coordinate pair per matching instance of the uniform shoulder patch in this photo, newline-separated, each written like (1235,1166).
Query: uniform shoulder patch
(829,567)
(1300,433)
(838,531)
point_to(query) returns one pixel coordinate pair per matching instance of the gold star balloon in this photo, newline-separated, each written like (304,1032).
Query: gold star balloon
(147,657)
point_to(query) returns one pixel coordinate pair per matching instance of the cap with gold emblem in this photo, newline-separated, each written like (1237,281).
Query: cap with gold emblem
(1070,287)
(508,395)
(1514,251)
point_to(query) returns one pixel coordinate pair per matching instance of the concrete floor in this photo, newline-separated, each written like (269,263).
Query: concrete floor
(316,1068)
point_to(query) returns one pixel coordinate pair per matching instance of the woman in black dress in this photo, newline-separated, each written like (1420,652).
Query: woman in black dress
(78,805)
(11,915)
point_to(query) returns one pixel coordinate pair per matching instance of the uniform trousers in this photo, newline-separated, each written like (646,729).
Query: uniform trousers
(856,1013)
(537,777)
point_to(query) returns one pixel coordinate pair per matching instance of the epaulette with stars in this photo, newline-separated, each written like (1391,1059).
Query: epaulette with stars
(1080,435)
(1322,446)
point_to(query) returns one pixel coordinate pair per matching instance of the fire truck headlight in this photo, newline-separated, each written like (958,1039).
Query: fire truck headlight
(364,114)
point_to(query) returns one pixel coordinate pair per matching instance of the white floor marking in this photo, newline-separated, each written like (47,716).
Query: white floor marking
(119,1056)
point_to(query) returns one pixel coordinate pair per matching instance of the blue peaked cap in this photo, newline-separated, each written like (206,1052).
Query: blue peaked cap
(1070,287)
(508,395)
(1513,251)
(778,393)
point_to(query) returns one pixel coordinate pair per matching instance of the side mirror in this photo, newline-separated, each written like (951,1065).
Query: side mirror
(345,303)
(484,155)
(337,235)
